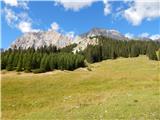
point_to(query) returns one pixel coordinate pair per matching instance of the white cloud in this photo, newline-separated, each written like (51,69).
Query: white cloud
(147,35)
(129,35)
(10,16)
(11,2)
(107,8)
(74,5)
(70,34)
(154,37)
(18,20)
(16,3)
(54,26)
(79,4)
(23,4)
(21,19)
(26,27)
(144,35)
(140,10)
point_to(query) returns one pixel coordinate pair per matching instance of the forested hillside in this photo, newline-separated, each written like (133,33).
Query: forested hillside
(49,58)
(111,49)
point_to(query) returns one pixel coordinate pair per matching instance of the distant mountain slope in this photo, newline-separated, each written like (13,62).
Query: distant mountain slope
(39,39)
(46,38)
(114,34)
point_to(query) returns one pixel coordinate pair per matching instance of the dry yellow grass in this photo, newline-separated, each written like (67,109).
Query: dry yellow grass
(126,88)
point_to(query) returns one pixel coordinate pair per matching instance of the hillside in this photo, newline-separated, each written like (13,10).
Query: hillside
(125,88)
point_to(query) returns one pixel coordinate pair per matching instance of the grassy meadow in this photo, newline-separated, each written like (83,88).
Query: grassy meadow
(122,89)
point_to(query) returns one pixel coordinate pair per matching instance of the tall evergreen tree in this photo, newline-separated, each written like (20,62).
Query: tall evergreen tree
(9,66)
(20,64)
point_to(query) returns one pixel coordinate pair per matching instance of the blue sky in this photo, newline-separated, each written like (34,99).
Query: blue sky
(130,18)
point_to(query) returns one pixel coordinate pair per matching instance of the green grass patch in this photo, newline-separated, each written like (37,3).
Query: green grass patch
(126,88)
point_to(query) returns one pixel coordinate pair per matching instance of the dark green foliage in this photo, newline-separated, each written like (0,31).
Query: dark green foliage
(93,53)
(134,51)
(9,66)
(19,65)
(111,49)
(44,66)
(158,54)
(68,48)
(28,62)
(50,58)
(41,60)
(4,59)
(151,52)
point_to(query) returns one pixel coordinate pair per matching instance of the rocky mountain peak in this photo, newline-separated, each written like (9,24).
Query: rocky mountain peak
(42,38)
(114,34)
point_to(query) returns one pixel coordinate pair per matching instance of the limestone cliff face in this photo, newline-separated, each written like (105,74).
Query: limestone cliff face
(39,39)
(46,38)
(114,34)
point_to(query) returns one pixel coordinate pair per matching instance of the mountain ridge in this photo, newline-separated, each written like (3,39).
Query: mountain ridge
(51,37)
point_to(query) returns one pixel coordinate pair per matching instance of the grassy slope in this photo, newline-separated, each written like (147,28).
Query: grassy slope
(114,89)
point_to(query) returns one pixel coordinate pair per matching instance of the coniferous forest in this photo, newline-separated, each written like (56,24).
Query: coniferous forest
(50,58)
(111,49)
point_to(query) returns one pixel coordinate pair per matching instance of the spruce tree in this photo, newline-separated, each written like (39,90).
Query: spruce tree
(20,62)
(9,66)
(28,63)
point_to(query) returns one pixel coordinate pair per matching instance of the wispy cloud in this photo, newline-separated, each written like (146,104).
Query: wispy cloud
(11,2)
(20,20)
(129,35)
(10,16)
(154,37)
(147,35)
(26,27)
(74,5)
(16,3)
(54,26)
(107,8)
(143,35)
(142,9)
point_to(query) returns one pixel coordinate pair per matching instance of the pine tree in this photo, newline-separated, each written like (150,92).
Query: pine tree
(134,51)
(44,66)
(3,60)
(28,63)
(151,52)
(9,66)
(20,63)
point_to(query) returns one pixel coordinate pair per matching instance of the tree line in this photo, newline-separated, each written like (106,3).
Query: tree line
(50,58)
(41,60)
(108,48)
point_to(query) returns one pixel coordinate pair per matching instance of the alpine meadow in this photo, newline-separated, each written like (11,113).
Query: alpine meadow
(80,60)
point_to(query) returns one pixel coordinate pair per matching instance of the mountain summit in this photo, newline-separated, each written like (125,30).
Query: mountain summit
(114,34)
(42,38)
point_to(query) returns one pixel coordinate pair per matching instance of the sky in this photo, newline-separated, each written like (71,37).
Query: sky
(73,17)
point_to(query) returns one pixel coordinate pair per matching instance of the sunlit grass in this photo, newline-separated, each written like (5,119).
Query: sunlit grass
(126,88)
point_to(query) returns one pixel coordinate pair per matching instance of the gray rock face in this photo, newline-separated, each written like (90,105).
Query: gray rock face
(46,38)
(104,32)
(39,39)
(82,43)
(158,40)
